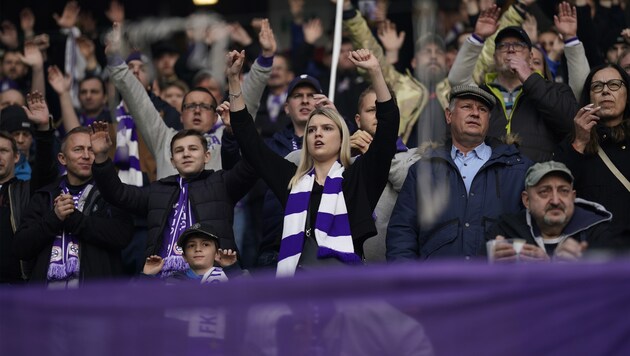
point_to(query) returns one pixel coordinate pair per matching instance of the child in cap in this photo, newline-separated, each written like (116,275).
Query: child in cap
(201,250)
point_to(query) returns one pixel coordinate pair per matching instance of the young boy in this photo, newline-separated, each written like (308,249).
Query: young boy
(200,249)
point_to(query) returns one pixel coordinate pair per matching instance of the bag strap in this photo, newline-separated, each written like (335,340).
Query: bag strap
(613,168)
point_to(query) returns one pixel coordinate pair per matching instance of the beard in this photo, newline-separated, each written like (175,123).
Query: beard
(430,75)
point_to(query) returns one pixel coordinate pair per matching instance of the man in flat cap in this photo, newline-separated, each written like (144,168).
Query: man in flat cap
(555,224)
(454,193)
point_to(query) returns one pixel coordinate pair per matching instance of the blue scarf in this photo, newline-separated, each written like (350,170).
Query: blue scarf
(332,227)
(179,220)
(64,256)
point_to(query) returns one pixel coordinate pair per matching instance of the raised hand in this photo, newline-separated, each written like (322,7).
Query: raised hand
(363,58)
(239,35)
(234,63)
(226,258)
(585,119)
(42,41)
(566,20)
(9,35)
(389,36)
(267,39)
(69,16)
(625,33)
(32,55)
(313,30)
(322,101)
(101,142)
(223,111)
(63,206)
(153,265)
(113,40)
(116,12)
(37,110)
(488,22)
(530,25)
(360,141)
(58,81)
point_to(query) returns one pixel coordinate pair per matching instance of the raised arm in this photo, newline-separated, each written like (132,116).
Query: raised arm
(33,58)
(274,169)
(61,85)
(256,80)
(577,63)
(45,167)
(147,119)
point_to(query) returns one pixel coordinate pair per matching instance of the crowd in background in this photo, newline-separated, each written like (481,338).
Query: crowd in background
(554,77)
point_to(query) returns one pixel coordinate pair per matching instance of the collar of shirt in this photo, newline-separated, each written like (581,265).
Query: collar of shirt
(482,152)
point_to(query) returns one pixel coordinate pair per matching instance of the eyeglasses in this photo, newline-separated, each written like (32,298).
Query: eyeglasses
(515,46)
(200,106)
(613,85)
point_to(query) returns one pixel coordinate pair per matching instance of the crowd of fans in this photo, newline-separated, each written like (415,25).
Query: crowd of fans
(188,148)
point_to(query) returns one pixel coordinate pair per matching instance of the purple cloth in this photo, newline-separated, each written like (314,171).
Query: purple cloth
(447,308)
(179,220)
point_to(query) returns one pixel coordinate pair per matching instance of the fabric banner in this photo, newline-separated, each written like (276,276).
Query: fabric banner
(416,309)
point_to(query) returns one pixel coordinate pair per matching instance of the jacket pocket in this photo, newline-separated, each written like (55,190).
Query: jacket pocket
(442,238)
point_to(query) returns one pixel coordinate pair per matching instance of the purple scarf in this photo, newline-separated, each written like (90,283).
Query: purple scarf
(64,256)
(179,220)
(127,157)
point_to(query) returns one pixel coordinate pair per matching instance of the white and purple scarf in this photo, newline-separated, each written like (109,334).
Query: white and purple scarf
(332,227)
(127,158)
(180,219)
(64,256)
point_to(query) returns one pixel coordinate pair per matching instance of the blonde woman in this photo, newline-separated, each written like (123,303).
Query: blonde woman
(328,203)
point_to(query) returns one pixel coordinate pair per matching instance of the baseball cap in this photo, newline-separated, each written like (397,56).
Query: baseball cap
(513,31)
(536,172)
(304,79)
(137,56)
(473,91)
(13,118)
(197,230)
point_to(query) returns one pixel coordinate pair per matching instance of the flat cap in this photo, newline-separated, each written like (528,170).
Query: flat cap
(474,92)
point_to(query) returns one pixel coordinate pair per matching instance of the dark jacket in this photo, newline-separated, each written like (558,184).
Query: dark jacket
(590,222)
(103,231)
(542,116)
(212,196)
(363,182)
(461,223)
(14,197)
(595,182)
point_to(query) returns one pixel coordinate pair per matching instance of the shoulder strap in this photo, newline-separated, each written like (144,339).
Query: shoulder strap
(613,168)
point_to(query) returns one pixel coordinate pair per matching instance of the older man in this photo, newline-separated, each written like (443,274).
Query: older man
(454,192)
(555,222)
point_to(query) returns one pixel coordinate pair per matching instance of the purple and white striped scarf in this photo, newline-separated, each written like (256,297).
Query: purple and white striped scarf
(332,227)
(179,220)
(64,256)
(127,158)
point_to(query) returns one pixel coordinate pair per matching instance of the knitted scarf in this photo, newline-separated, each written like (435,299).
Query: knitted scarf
(179,220)
(64,256)
(332,228)
(127,158)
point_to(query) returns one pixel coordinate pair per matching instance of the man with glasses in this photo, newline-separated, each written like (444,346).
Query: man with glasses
(539,111)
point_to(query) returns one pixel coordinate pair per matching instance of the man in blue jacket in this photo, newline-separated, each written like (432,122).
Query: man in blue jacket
(452,196)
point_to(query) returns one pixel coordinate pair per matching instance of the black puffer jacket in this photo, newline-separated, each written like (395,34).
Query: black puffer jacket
(212,195)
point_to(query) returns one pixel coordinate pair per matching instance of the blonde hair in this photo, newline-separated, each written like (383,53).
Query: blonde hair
(306,160)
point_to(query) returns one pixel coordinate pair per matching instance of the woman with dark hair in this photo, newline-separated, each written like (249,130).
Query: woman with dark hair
(328,203)
(598,152)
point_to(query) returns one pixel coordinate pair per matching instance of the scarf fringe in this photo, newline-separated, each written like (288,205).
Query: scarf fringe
(60,272)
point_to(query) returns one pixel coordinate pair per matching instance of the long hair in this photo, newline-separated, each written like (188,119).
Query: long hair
(619,132)
(306,160)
